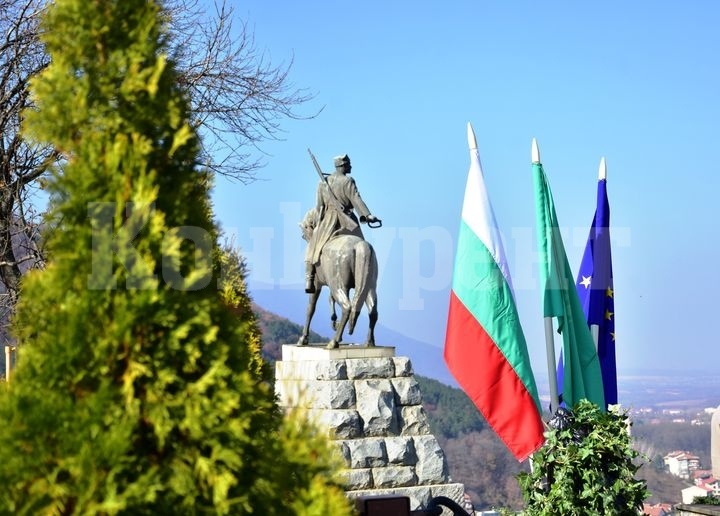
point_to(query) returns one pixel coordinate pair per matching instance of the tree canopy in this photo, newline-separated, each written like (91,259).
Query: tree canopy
(139,389)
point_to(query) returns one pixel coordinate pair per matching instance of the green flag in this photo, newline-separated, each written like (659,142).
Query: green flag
(582,375)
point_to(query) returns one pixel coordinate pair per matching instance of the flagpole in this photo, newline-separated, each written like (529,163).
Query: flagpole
(472,141)
(549,332)
(552,373)
(594,328)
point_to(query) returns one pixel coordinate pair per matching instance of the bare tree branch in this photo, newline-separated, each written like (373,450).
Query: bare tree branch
(238,99)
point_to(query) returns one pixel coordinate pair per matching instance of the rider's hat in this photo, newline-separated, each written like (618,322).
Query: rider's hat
(341,161)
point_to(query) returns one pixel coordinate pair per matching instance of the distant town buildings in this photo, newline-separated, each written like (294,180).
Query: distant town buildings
(467,504)
(705,484)
(658,509)
(681,463)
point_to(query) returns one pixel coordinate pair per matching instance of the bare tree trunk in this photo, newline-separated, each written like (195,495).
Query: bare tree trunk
(21,57)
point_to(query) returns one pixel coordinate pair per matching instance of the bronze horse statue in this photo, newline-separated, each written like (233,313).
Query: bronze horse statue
(347,262)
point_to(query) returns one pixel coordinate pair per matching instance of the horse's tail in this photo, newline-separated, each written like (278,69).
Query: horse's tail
(365,279)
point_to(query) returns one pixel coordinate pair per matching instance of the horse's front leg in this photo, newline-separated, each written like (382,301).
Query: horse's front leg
(312,302)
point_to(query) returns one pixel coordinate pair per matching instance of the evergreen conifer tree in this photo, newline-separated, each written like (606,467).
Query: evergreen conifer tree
(139,389)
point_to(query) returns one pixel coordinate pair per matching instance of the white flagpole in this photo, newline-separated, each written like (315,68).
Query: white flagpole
(552,372)
(472,141)
(549,332)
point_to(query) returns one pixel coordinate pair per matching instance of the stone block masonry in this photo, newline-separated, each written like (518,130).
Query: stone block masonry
(371,404)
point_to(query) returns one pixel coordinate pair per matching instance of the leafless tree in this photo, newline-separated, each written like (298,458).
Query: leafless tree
(21,164)
(238,98)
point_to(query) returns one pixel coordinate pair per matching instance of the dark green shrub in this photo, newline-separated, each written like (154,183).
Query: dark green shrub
(587,466)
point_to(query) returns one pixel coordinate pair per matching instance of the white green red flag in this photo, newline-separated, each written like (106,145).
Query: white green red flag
(485,347)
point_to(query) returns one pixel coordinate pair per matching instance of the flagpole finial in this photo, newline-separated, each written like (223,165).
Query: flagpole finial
(472,141)
(602,171)
(535,151)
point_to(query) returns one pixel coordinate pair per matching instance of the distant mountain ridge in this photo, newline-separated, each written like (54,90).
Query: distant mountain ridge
(637,388)
(427,360)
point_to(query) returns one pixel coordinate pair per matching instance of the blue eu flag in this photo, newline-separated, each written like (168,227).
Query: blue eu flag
(595,290)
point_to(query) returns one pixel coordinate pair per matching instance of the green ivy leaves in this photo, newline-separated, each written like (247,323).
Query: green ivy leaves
(586,468)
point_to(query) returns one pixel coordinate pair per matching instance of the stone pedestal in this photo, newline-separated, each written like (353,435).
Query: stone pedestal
(371,404)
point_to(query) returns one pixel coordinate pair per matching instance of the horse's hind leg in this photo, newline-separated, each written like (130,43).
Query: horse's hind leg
(371,303)
(312,302)
(333,316)
(337,339)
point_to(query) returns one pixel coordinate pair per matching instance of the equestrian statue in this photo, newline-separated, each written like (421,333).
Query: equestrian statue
(337,255)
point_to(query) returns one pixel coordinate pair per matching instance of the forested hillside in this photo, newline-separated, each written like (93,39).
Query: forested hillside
(453,412)
(476,456)
(277,331)
(659,438)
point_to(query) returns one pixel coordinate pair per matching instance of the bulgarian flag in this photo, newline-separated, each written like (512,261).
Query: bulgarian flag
(485,348)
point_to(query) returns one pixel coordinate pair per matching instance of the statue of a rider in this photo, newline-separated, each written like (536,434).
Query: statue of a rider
(337,201)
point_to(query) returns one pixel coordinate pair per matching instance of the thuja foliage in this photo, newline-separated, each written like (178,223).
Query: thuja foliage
(233,287)
(140,388)
(587,466)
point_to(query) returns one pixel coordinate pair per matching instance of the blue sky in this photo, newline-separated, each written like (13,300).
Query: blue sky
(397,82)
